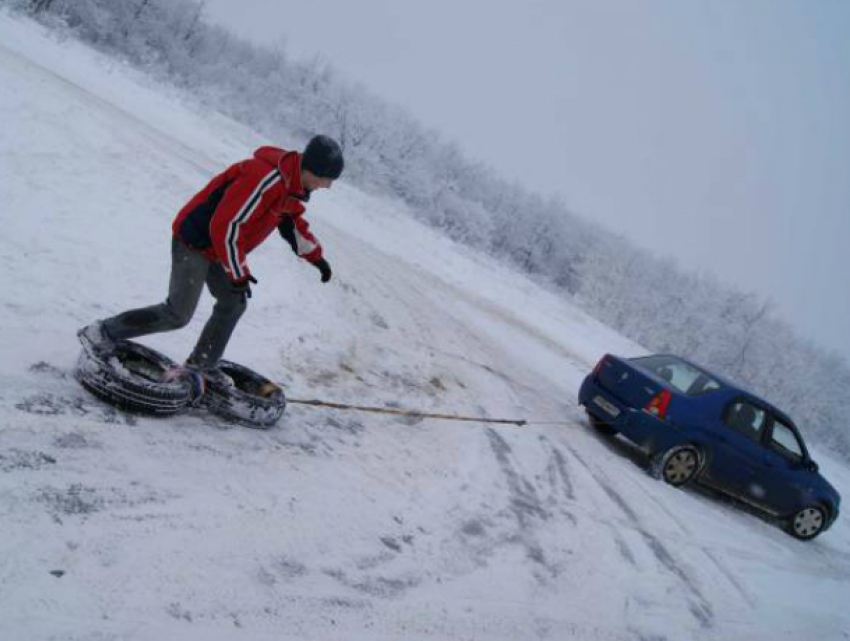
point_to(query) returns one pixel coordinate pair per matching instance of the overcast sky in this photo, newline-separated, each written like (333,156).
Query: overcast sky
(715,131)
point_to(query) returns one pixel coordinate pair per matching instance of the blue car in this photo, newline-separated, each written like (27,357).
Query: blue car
(696,426)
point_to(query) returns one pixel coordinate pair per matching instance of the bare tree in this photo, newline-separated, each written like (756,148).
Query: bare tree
(194,21)
(40,6)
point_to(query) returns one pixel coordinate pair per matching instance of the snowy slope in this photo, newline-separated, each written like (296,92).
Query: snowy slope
(335,525)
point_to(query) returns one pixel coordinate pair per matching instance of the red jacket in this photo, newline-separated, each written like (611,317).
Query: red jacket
(240,207)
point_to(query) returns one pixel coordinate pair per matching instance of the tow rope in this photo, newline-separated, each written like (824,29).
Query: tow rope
(418,414)
(404,412)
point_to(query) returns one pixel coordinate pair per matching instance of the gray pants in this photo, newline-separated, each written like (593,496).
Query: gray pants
(189,271)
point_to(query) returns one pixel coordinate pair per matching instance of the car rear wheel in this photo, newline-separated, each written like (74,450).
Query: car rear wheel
(807,523)
(601,426)
(678,466)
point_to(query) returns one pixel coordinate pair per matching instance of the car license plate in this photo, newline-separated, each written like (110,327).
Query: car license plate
(605,405)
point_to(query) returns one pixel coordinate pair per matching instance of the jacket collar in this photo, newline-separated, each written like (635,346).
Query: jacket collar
(289,167)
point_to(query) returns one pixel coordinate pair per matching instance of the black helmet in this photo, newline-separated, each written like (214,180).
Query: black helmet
(323,158)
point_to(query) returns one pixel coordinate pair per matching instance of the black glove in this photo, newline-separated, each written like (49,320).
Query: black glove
(324,268)
(242,288)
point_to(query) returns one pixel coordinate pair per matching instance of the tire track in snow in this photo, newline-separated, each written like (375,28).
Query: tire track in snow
(557,469)
(699,606)
(558,474)
(712,557)
(523,500)
(688,542)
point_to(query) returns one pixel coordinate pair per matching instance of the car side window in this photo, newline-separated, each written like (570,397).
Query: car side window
(784,441)
(702,385)
(746,419)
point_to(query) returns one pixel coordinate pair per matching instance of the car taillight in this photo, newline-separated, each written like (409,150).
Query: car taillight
(657,407)
(599,365)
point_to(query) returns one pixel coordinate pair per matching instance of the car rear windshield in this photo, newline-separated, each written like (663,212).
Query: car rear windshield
(683,376)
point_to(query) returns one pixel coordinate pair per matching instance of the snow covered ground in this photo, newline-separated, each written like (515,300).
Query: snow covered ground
(336,525)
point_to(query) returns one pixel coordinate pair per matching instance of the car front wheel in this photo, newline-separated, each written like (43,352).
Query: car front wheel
(678,466)
(807,523)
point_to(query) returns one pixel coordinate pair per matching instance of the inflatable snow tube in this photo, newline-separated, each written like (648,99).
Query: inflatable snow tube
(251,400)
(128,376)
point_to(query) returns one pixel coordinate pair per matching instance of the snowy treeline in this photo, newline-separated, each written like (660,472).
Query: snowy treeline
(648,299)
